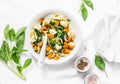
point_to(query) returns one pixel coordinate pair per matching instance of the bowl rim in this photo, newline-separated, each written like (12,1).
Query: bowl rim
(66,14)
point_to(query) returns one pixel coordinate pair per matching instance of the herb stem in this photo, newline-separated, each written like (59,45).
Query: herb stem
(16,73)
(106,73)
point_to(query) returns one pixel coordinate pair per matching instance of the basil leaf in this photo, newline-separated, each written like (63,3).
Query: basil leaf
(20,31)
(27,63)
(12,34)
(89,4)
(20,40)
(100,63)
(84,12)
(6,31)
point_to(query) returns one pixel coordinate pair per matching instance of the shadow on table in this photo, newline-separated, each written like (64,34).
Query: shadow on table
(61,72)
(115,66)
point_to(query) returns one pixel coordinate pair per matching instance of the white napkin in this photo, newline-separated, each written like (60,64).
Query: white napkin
(109,47)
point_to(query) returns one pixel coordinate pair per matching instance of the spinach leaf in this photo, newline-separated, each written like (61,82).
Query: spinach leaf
(12,34)
(16,58)
(84,12)
(27,63)
(20,69)
(5,47)
(20,31)
(6,31)
(3,56)
(52,21)
(89,4)
(52,41)
(7,55)
(39,36)
(18,50)
(59,28)
(100,63)
(4,52)
(20,40)
(60,34)
(16,54)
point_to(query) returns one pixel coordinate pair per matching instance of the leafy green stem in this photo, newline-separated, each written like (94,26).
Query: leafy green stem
(15,72)
(11,49)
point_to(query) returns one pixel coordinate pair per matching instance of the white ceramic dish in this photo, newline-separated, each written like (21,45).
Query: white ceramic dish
(85,59)
(76,28)
(107,40)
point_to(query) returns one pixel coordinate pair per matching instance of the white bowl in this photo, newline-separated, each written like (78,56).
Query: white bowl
(76,28)
(92,74)
(87,68)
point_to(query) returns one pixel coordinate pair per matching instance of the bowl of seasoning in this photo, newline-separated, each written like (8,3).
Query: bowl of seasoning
(92,79)
(82,64)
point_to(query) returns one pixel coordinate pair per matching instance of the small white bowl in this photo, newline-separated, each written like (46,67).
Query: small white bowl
(90,75)
(87,68)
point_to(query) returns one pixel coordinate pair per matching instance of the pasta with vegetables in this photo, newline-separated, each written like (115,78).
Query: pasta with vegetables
(60,36)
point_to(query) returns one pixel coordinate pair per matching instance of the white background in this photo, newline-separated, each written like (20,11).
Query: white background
(18,13)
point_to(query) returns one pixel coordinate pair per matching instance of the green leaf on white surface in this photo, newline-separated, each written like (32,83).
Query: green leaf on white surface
(6,31)
(89,4)
(84,12)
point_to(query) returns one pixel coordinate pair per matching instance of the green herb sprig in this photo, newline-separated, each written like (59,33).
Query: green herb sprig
(10,54)
(100,63)
(83,9)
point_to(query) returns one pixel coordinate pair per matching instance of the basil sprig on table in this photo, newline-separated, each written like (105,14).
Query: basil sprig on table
(11,49)
(83,9)
(100,63)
